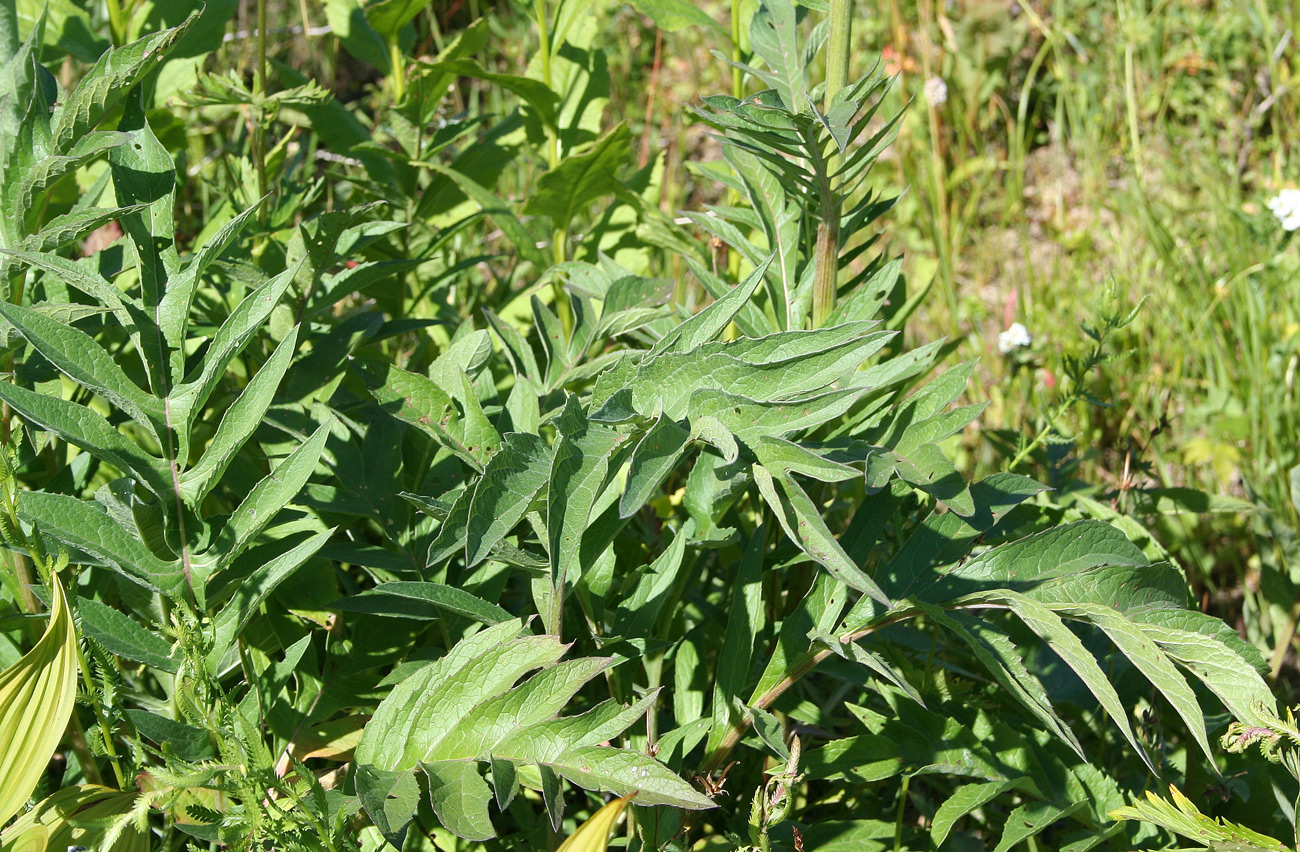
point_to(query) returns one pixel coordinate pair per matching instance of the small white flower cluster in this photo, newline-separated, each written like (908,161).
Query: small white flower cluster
(936,91)
(1286,207)
(1013,338)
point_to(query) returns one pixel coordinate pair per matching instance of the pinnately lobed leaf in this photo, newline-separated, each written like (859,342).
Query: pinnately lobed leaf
(36,699)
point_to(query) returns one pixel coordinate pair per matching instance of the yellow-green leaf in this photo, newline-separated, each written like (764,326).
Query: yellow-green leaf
(36,697)
(593,835)
(75,818)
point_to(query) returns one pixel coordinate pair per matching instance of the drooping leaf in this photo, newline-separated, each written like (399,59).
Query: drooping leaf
(36,700)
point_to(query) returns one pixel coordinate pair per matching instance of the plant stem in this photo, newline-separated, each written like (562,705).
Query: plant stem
(98,710)
(397,76)
(560,232)
(259,118)
(116,23)
(826,282)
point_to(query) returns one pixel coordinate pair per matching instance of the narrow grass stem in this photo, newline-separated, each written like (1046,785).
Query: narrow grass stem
(397,74)
(560,231)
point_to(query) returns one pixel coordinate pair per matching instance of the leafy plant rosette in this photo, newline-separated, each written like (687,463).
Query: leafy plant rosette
(345,573)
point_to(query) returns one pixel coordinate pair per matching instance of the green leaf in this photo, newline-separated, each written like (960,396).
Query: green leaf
(250,593)
(509,483)
(578,469)
(655,457)
(124,636)
(709,323)
(417,400)
(674,15)
(1031,818)
(238,423)
(63,230)
(744,627)
(969,797)
(78,524)
(37,694)
(106,84)
(1180,816)
(1049,627)
(405,599)
(268,497)
(774,36)
(466,708)
(803,524)
(84,428)
(231,338)
(459,797)
(387,17)
(580,179)
(77,355)
(1149,659)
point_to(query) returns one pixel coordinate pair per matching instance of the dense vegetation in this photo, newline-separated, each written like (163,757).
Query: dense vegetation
(439,427)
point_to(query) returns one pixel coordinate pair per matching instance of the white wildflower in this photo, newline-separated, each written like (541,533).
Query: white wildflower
(1286,207)
(936,91)
(1013,338)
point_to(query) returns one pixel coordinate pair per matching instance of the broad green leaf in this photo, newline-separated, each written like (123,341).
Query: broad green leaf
(124,636)
(581,179)
(234,334)
(1149,659)
(466,709)
(36,700)
(509,483)
(774,36)
(79,525)
(407,599)
(416,400)
(460,797)
(250,593)
(578,469)
(81,426)
(710,322)
(779,454)
(174,309)
(106,84)
(77,354)
(69,227)
(387,17)
(999,656)
(1215,655)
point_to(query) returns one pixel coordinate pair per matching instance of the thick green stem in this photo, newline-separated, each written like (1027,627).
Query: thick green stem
(826,283)
(840,46)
